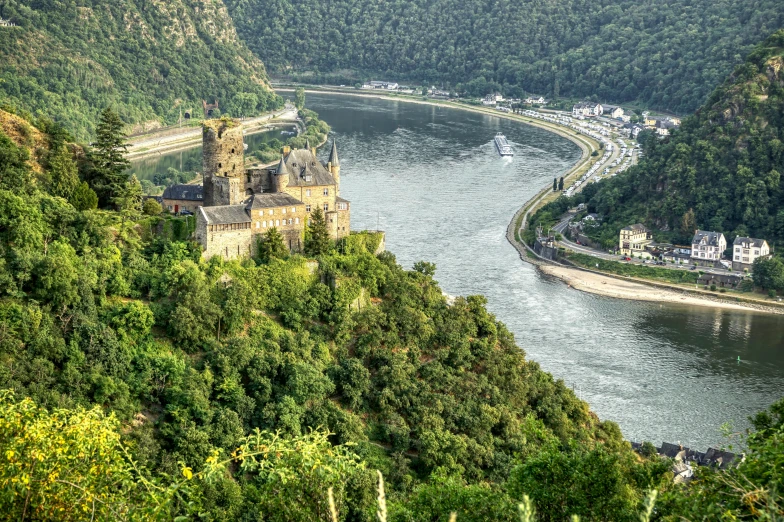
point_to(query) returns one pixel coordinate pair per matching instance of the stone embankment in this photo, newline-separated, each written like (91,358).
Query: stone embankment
(172,140)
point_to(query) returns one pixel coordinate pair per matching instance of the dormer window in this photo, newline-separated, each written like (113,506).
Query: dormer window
(308,177)
(294,165)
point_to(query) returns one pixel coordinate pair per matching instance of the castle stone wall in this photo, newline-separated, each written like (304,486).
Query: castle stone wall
(223,155)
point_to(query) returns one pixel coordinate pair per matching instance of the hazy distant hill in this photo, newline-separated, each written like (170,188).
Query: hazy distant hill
(668,55)
(724,164)
(148,58)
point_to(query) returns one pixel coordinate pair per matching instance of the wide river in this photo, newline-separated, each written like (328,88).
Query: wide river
(431,178)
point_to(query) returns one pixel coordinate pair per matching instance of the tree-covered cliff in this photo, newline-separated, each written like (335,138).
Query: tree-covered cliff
(667,55)
(148,59)
(720,170)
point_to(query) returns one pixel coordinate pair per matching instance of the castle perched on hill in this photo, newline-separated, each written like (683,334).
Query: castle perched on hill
(240,205)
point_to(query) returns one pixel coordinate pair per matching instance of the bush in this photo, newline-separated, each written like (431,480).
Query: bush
(713,288)
(771,293)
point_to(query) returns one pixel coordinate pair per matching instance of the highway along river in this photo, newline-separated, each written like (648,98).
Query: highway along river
(432,179)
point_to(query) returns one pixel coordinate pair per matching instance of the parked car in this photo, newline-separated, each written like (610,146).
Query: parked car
(186,213)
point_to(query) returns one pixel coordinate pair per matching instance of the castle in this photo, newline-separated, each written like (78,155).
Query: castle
(241,205)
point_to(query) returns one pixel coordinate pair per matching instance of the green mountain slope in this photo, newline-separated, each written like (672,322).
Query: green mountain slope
(149,59)
(724,164)
(667,55)
(117,310)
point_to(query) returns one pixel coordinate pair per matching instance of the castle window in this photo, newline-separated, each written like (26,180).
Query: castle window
(283,211)
(271,212)
(264,224)
(220,165)
(232,151)
(326,207)
(307,193)
(296,221)
(307,208)
(277,222)
(293,209)
(326,192)
(258,225)
(290,221)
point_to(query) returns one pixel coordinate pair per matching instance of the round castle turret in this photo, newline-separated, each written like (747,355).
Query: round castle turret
(333,165)
(223,156)
(281,176)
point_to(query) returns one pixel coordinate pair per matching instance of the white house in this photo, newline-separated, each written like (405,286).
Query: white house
(746,249)
(587,109)
(707,247)
(612,111)
(533,100)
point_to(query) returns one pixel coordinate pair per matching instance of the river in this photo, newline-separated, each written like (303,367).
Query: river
(431,178)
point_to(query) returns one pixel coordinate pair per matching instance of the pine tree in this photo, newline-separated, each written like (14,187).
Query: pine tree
(83,197)
(62,172)
(317,240)
(555,184)
(108,175)
(272,246)
(560,183)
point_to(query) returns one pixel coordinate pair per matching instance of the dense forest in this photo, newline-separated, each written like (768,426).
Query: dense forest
(665,55)
(152,61)
(719,171)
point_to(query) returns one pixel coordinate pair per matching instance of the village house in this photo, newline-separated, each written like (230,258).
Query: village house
(663,127)
(533,100)
(707,248)
(389,86)
(634,241)
(613,111)
(745,250)
(183,197)
(587,109)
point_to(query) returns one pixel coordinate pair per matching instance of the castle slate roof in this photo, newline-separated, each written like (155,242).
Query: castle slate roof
(185,192)
(756,243)
(333,155)
(272,199)
(706,238)
(338,199)
(224,214)
(305,170)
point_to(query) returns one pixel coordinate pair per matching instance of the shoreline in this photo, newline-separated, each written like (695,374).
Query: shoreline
(636,290)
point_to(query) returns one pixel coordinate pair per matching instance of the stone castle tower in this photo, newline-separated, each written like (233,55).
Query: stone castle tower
(223,162)
(333,165)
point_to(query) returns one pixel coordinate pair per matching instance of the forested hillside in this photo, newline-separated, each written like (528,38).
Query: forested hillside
(140,382)
(148,59)
(720,171)
(666,55)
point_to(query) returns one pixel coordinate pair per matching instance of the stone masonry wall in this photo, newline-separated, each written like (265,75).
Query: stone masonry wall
(223,154)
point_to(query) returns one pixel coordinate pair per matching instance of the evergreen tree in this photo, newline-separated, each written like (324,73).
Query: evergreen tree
(555,184)
(560,183)
(63,177)
(316,235)
(108,175)
(83,197)
(272,246)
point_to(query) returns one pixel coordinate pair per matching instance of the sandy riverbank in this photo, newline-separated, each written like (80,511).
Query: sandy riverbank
(611,287)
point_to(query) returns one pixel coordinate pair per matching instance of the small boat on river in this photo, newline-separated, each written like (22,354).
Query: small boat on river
(504,149)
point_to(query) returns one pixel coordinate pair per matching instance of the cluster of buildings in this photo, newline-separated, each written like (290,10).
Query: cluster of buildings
(6,23)
(235,206)
(707,249)
(686,459)
(588,109)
